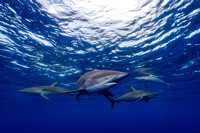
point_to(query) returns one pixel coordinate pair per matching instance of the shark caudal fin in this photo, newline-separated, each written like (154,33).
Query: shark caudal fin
(108,95)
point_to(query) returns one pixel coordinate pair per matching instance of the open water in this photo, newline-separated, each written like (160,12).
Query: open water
(47,41)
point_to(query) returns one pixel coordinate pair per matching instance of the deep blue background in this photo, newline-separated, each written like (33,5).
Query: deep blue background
(27,61)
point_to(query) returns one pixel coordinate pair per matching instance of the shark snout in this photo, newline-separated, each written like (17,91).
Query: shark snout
(123,75)
(120,76)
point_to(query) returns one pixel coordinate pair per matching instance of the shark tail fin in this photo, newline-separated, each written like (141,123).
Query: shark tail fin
(112,104)
(77,98)
(108,93)
(109,97)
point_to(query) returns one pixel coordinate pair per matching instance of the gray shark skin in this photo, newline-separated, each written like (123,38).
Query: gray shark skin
(151,78)
(44,90)
(134,96)
(100,78)
(99,81)
(148,71)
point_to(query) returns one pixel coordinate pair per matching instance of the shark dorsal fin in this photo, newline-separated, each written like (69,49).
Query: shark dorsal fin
(54,84)
(133,89)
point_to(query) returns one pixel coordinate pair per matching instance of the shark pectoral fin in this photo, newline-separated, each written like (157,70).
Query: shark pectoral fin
(110,99)
(41,94)
(54,84)
(139,99)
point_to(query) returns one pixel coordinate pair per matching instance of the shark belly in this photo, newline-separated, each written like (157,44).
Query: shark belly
(100,87)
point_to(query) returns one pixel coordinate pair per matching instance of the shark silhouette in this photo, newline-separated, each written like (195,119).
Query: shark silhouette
(98,82)
(134,96)
(45,90)
(151,78)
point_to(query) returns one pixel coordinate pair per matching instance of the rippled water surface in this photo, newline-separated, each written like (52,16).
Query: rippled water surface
(44,41)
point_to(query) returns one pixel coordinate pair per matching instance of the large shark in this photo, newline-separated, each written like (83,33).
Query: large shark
(99,81)
(151,78)
(134,96)
(45,90)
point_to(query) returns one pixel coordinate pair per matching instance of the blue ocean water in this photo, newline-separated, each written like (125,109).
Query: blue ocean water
(47,41)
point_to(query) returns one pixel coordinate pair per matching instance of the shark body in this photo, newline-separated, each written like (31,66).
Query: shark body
(134,96)
(98,82)
(151,78)
(148,71)
(45,90)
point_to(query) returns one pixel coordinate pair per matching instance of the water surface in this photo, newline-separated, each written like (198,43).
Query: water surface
(44,41)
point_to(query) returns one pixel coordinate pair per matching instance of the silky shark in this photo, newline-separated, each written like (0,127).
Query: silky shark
(148,71)
(45,90)
(98,82)
(134,96)
(151,78)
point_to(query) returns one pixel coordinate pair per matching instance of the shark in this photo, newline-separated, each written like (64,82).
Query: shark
(45,90)
(151,78)
(148,71)
(98,82)
(134,96)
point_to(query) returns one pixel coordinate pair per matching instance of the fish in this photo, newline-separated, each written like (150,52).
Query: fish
(98,82)
(148,71)
(134,96)
(151,78)
(45,90)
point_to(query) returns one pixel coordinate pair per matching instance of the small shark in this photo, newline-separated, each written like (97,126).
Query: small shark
(134,96)
(45,90)
(148,71)
(99,81)
(151,78)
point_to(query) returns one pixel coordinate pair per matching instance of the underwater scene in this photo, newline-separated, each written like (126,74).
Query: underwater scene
(99,66)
